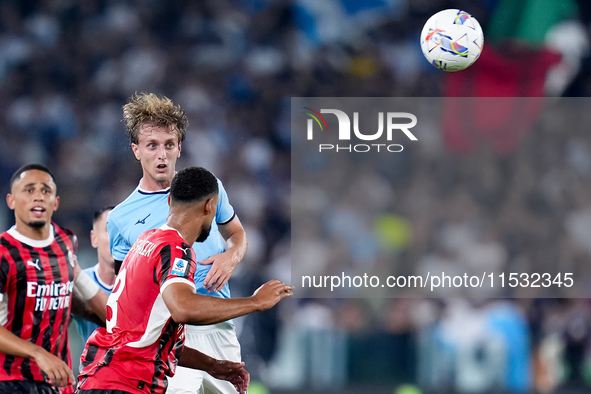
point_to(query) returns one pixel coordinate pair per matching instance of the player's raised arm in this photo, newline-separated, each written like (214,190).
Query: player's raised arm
(187,307)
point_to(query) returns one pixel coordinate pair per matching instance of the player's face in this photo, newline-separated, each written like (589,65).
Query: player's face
(34,199)
(100,240)
(158,149)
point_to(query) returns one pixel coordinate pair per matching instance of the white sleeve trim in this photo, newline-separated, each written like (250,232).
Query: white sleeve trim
(85,287)
(3,310)
(176,280)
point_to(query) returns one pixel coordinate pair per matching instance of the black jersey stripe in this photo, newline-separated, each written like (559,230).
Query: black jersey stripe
(188,257)
(20,300)
(65,245)
(38,315)
(8,359)
(4,272)
(65,351)
(165,345)
(165,256)
(37,324)
(54,314)
(20,293)
(91,352)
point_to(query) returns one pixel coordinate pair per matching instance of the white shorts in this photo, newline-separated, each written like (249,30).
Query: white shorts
(216,340)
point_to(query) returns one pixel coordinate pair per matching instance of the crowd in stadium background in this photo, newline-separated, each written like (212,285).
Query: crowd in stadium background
(67,67)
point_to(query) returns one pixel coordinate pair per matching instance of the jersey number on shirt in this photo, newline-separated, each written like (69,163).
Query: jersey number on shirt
(112,301)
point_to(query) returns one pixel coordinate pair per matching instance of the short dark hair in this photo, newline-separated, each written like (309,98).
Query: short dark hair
(193,184)
(98,213)
(27,167)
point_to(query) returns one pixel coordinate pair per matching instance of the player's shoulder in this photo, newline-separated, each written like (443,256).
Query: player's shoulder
(5,243)
(122,209)
(137,201)
(160,241)
(9,241)
(173,245)
(122,206)
(159,236)
(65,233)
(10,248)
(168,237)
(62,231)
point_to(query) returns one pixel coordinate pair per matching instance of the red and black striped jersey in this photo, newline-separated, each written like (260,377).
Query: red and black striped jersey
(36,284)
(141,343)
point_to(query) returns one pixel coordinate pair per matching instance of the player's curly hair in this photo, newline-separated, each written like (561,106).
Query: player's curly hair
(149,108)
(192,184)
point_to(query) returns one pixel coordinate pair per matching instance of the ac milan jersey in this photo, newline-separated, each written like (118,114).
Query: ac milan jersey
(36,284)
(141,344)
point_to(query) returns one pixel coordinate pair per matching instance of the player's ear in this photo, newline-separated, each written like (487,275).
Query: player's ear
(93,240)
(209,205)
(168,199)
(180,146)
(10,201)
(135,148)
(57,203)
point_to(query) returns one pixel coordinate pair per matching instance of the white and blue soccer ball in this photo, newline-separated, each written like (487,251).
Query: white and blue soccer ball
(452,40)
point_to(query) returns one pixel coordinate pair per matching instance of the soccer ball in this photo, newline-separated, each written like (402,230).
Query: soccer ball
(452,40)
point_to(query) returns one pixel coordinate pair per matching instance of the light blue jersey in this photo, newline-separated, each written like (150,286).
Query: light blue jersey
(144,210)
(85,327)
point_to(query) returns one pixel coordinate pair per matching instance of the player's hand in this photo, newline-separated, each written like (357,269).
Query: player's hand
(271,293)
(77,267)
(57,371)
(222,266)
(232,372)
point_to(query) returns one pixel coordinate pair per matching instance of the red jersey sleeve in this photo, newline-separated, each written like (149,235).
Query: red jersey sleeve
(177,263)
(4,272)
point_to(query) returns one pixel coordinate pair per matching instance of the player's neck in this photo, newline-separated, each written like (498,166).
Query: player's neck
(36,233)
(150,184)
(106,273)
(187,232)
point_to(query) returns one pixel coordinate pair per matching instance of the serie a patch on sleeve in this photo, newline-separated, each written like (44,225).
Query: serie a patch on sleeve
(180,267)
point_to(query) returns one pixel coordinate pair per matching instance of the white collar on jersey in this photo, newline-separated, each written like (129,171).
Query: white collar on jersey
(166,189)
(167,227)
(36,243)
